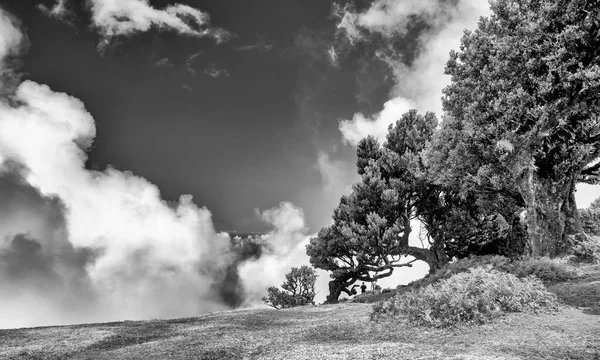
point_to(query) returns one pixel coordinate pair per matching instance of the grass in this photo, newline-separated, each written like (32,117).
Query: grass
(341,331)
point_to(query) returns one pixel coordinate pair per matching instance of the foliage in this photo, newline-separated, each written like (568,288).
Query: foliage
(587,251)
(370,234)
(475,297)
(590,220)
(522,113)
(595,204)
(546,269)
(298,289)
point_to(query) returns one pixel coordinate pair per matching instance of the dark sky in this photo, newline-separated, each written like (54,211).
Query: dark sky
(249,138)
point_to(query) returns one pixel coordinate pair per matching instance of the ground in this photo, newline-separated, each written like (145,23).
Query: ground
(341,331)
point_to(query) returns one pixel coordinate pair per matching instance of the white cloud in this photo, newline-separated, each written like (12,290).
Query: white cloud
(59,10)
(213,71)
(287,242)
(337,176)
(377,125)
(11,40)
(419,84)
(149,251)
(126,17)
(150,257)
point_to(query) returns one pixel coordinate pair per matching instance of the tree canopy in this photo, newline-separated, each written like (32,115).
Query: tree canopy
(522,113)
(299,289)
(370,236)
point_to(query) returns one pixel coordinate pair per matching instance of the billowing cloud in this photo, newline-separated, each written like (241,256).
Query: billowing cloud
(377,125)
(126,17)
(418,83)
(12,44)
(82,245)
(285,247)
(37,261)
(149,250)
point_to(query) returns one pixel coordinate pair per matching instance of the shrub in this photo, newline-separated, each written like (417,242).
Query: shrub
(549,270)
(546,269)
(299,289)
(590,220)
(587,251)
(475,296)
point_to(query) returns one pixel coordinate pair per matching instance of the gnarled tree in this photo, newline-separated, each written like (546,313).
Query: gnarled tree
(523,112)
(370,234)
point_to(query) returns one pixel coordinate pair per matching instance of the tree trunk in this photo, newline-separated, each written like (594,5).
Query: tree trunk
(552,219)
(336,287)
(435,257)
(574,232)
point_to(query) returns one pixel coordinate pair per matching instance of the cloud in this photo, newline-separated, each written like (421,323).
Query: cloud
(284,248)
(79,245)
(337,176)
(37,261)
(213,71)
(333,56)
(150,251)
(377,125)
(113,18)
(164,62)
(189,62)
(260,46)
(13,43)
(58,10)
(417,83)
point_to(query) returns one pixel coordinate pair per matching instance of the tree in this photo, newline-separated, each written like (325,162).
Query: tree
(595,204)
(370,234)
(299,289)
(522,113)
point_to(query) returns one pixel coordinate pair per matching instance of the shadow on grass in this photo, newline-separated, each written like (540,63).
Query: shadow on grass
(553,353)
(328,333)
(232,353)
(134,334)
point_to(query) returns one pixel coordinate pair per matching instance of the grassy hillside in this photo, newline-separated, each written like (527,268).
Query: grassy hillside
(340,331)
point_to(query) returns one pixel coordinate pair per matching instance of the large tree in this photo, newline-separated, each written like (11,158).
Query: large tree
(372,226)
(522,112)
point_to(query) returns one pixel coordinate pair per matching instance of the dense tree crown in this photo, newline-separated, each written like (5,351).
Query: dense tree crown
(522,113)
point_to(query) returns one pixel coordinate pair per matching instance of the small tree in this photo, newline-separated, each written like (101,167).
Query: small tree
(298,289)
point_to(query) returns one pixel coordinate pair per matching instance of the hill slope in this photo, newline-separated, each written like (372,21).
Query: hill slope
(340,331)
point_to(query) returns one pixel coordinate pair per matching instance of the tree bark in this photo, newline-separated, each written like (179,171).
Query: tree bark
(435,257)
(552,219)
(336,287)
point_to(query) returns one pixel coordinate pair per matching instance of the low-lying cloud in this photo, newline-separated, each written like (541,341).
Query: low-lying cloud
(79,245)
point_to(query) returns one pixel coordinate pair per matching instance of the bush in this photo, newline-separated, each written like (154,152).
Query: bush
(299,289)
(587,251)
(549,270)
(590,220)
(546,269)
(475,296)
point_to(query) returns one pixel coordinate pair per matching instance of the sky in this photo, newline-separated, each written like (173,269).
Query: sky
(136,135)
